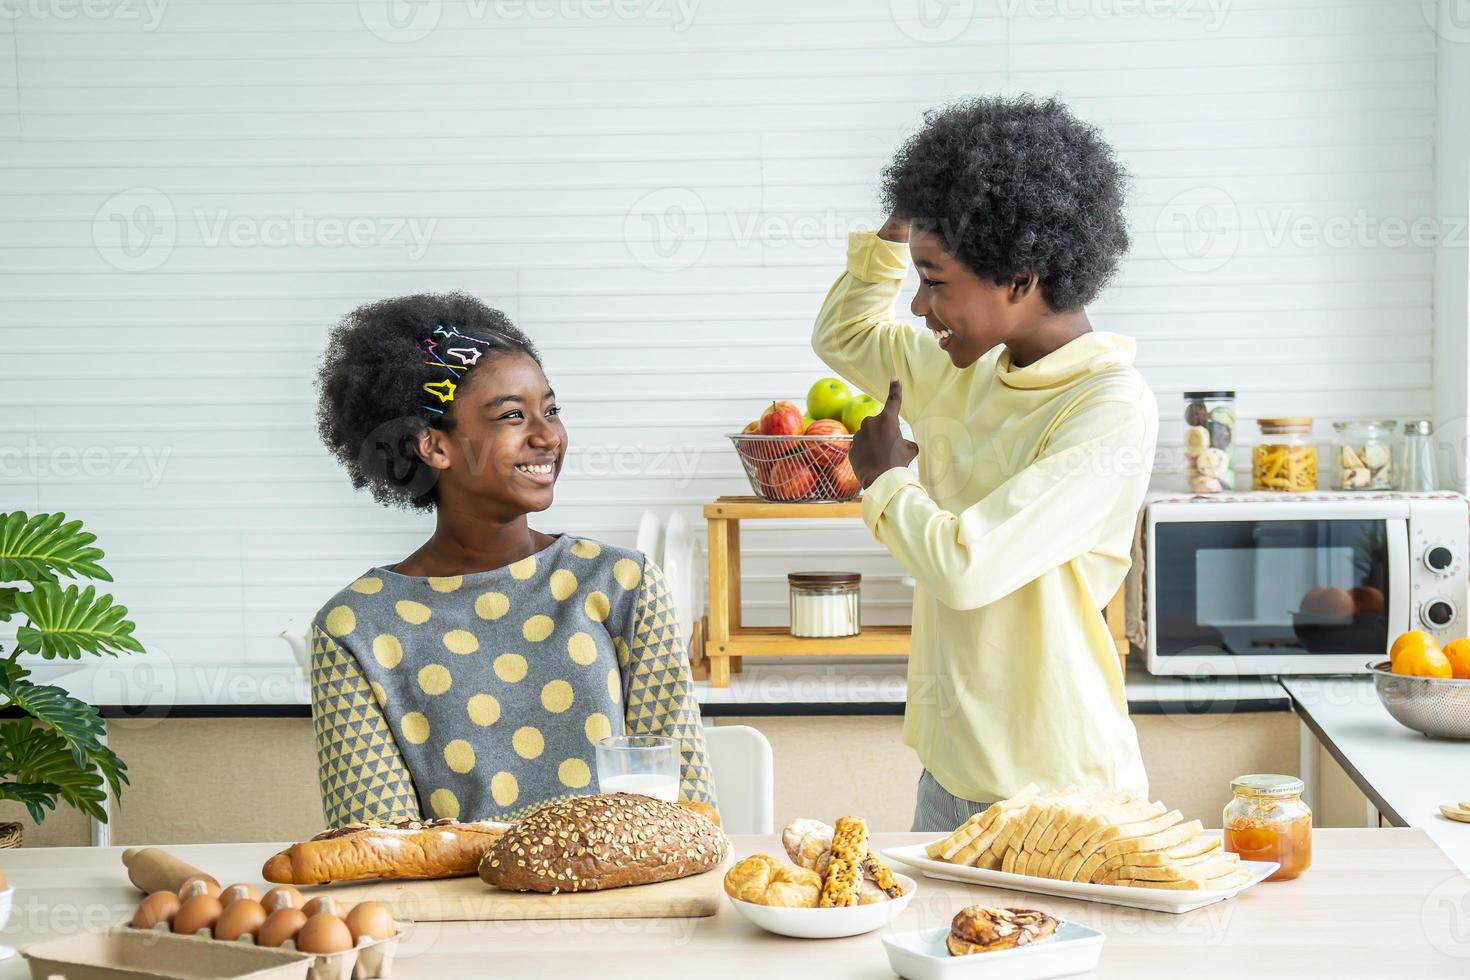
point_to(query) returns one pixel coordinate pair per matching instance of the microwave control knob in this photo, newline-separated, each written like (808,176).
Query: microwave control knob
(1437,613)
(1438,559)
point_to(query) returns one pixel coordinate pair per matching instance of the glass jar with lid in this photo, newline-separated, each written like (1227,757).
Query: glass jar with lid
(1286,457)
(1363,455)
(1209,440)
(825,603)
(1266,820)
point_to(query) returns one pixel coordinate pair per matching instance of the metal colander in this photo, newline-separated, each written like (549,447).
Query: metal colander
(798,469)
(1430,705)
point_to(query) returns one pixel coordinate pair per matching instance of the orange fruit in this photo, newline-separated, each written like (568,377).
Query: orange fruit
(1423,661)
(1458,654)
(1412,640)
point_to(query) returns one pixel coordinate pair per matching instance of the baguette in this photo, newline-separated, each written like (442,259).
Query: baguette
(403,849)
(592,843)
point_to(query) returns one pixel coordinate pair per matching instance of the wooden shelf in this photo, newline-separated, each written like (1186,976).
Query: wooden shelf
(771,641)
(756,509)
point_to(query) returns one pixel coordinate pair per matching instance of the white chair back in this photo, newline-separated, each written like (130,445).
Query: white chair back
(743,770)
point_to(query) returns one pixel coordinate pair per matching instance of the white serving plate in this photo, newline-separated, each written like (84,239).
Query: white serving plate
(828,923)
(921,955)
(1130,896)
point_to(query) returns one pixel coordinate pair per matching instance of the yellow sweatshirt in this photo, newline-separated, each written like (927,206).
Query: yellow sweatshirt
(1017,529)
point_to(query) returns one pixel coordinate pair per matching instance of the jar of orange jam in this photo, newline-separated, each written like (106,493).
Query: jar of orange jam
(1267,821)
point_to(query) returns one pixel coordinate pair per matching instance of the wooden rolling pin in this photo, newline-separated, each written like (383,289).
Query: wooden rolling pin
(153,869)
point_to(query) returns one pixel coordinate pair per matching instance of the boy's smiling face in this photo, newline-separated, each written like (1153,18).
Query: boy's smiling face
(968,315)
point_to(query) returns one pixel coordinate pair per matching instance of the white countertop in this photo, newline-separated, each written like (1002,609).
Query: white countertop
(1409,773)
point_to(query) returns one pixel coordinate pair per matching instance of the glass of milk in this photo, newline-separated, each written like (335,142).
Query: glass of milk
(645,764)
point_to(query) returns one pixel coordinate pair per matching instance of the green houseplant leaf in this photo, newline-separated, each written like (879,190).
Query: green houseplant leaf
(39,548)
(77,722)
(39,758)
(69,622)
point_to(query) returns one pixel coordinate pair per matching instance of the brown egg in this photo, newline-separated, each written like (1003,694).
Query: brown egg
(157,907)
(236,892)
(199,912)
(282,924)
(241,917)
(198,885)
(371,919)
(324,933)
(281,896)
(323,903)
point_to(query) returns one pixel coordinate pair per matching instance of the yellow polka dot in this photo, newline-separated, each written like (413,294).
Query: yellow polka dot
(510,667)
(445,804)
(597,727)
(597,606)
(484,709)
(415,727)
(461,641)
(627,572)
(563,584)
(504,789)
(527,742)
(582,648)
(341,621)
(556,696)
(447,583)
(459,755)
(583,548)
(537,628)
(411,612)
(379,695)
(368,585)
(491,605)
(434,679)
(574,773)
(524,568)
(387,650)
(614,685)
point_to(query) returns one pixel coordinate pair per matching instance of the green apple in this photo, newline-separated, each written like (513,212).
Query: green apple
(806,421)
(861,407)
(828,398)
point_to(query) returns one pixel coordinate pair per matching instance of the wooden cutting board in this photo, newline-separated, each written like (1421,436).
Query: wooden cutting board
(463,899)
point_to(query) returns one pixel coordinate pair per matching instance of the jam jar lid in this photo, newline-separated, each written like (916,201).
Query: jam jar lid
(1267,784)
(820,579)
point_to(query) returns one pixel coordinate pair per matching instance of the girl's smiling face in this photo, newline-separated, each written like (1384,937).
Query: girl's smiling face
(508,442)
(968,315)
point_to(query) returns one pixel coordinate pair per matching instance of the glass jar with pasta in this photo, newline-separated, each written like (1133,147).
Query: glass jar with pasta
(1285,458)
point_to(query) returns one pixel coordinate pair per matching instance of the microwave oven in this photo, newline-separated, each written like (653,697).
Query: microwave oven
(1312,584)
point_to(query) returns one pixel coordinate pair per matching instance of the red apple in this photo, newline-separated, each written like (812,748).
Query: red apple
(753,427)
(845,483)
(790,478)
(781,419)
(828,452)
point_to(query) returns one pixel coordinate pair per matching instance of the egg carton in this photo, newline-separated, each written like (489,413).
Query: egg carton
(370,959)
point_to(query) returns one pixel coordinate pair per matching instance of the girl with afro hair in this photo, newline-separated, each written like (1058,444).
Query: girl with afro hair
(473,678)
(1034,436)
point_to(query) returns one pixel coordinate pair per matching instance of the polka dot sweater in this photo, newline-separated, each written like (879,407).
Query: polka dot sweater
(481,696)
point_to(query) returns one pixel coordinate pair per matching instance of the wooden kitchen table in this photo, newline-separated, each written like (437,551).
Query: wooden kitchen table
(1376,903)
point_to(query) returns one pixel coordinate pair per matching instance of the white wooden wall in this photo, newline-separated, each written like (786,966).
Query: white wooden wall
(192,192)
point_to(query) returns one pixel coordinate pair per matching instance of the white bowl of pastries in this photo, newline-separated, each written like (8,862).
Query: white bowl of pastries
(833,886)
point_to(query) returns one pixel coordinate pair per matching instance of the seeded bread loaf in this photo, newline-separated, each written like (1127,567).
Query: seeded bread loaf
(597,842)
(388,850)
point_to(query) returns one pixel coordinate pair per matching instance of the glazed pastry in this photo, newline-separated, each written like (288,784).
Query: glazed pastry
(883,879)
(849,849)
(983,929)
(764,880)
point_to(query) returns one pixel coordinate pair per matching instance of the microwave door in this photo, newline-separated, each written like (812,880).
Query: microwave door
(1399,600)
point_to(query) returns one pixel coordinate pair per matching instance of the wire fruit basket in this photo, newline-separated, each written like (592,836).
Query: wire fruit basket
(798,469)
(1435,706)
